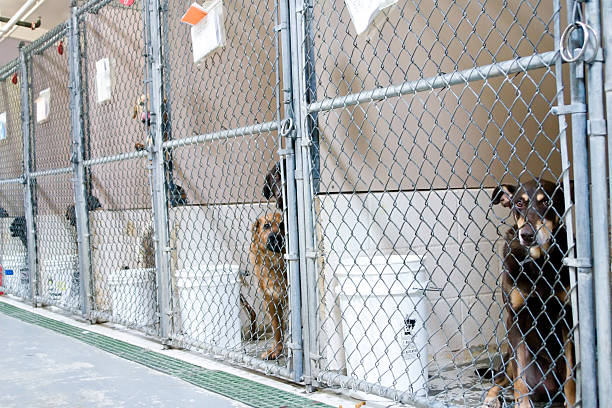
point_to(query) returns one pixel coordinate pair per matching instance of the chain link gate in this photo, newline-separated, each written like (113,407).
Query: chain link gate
(408,132)
(322,206)
(116,188)
(233,278)
(56,260)
(15,276)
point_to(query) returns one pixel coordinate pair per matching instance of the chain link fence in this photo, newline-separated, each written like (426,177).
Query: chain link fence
(15,277)
(388,212)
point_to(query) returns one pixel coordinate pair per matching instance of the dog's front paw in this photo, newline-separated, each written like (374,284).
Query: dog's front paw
(272,354)
(492,402)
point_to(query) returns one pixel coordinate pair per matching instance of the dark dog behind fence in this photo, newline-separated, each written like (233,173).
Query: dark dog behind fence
(535,286)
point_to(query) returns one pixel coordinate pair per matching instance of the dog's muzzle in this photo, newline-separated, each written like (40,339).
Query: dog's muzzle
(527,236)
(276,243)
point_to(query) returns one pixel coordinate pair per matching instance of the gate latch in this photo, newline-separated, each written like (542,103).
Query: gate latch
(569,109)
(590,39)
(286,127)
(577,262)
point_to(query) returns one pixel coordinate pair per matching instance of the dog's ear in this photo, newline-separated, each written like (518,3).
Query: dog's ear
(93,203)
(267,190)
(503,195)
(254,230)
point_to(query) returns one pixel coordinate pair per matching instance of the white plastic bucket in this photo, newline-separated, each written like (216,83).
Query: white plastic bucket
(210,305)
(133,295)
(15,276)
(383,311)
(58,278)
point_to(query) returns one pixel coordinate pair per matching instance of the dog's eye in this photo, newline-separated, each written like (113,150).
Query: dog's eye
(520,203)
(267,226)
(545,202)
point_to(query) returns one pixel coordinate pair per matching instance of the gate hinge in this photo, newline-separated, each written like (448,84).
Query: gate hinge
(569,109)
(311,254)
(596,127)
(285,152)
(294,346)
(577,262)
(292,257)
(316,357)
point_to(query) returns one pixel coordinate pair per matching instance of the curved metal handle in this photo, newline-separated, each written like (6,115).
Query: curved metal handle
(286,127)
(589,35)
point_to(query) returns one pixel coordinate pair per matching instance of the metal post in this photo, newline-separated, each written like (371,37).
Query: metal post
(565,175)
(80,194)
(27,168)
(156,154)
(298,15)
(293,258)
(583,230)
(599,202)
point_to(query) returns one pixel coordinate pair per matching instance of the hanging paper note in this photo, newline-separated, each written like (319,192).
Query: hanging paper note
(2,125)
(194,14)
(43,103)
(209,33)
(103,80)
(365,12)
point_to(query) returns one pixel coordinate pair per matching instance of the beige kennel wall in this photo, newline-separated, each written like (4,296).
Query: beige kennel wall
(115,32)
(235,87)
(11,148)
(463,136)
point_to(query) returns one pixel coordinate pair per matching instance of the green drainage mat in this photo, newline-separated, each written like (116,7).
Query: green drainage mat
(234,387)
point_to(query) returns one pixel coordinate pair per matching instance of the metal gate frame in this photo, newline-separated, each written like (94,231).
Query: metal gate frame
(298,137)
(588,277)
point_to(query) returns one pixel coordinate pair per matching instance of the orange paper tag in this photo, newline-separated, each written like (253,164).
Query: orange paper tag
(194,14)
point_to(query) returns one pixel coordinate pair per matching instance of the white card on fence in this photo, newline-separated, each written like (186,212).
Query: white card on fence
(364,12)
(209,33)
(2,125)
(103,80)
(43,103)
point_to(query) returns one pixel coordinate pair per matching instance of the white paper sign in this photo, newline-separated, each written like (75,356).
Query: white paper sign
(103,80)
(364,12)
(43,103)
(2,125)
(209,33)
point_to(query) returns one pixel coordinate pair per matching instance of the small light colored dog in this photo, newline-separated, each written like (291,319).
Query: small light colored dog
(267,256)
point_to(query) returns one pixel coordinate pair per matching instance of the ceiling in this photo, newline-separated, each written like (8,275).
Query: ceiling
(51,13)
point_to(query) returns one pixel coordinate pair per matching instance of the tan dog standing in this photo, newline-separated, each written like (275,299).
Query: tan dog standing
(267,256)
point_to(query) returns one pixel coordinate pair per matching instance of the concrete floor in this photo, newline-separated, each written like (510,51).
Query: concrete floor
(41,368)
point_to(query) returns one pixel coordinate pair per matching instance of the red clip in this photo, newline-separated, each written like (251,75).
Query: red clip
(14,79)
(60,48)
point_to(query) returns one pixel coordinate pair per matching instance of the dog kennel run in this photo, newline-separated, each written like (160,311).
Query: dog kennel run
(132,185)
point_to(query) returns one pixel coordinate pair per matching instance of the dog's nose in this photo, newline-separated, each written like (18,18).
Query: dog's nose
(527,236)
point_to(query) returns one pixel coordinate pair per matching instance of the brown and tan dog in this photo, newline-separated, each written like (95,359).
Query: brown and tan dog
(267,256)
(535,286)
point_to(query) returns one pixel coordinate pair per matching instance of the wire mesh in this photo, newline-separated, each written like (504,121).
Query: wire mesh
(117,180)
(411,260)
(15,274)
(439,244)
(230,289)
(57,262)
